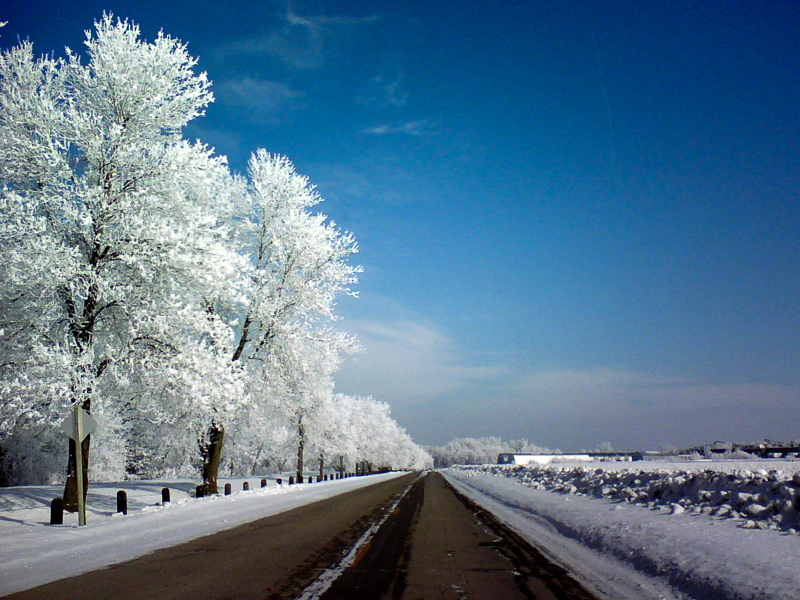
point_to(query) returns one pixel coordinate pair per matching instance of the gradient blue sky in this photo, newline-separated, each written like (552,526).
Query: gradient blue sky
(579,220)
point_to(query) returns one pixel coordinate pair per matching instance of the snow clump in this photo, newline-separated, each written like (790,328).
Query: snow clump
(761,499)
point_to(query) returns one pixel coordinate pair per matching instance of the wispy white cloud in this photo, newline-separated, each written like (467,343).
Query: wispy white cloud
(437,387)
(262,98)
(407,360)
(419,128)
(600,378)
(376,181)
(642,410)
(319,23)
(301,40)
(385,92)
(608,386)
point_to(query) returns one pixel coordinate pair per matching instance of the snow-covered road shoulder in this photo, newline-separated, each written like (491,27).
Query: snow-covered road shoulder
(627,551)
(34,553)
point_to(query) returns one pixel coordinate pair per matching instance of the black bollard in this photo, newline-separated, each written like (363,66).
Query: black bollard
(57,512)
(246,486)
(279,481)
(326,477)
(291,479)
(263,483)
(122,502)
(227,489)
(299,479)
(165,496)
(199,491)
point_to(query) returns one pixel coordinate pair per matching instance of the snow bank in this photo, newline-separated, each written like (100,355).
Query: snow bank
(624,551)
(760,498)
(34,553)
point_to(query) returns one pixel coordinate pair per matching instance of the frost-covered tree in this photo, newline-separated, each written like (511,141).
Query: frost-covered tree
(113,230)
(180,305)
(301,265)
(604,447)
(328,432)
(370,439)
(301,368)
(300,257)
(476,451)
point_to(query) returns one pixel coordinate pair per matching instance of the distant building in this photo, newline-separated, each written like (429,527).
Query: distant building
(659,455)
(510,458)
(765,449)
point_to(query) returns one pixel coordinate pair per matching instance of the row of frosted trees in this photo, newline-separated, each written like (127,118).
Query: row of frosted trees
(189,309)
(479,451)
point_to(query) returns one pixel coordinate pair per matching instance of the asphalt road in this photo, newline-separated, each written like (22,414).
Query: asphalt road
(439,545)
(434,544)
(272,558)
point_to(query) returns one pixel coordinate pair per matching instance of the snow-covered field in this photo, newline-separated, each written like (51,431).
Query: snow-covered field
(34,552)
(723,530)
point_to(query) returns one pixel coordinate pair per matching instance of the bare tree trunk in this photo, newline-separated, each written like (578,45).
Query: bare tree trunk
(71,485)
(321,465)
(211,452)
(301,432)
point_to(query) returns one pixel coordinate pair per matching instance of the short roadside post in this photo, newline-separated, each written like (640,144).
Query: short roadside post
(57,512)
(122,502)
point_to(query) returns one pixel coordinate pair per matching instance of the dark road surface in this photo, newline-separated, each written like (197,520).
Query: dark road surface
(272,558)
(438,545)
(433,545)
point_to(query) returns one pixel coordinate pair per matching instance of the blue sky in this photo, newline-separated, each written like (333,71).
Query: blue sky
(579,223)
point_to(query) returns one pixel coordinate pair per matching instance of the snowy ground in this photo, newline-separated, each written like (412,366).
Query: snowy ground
(713,530)
(34,552)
